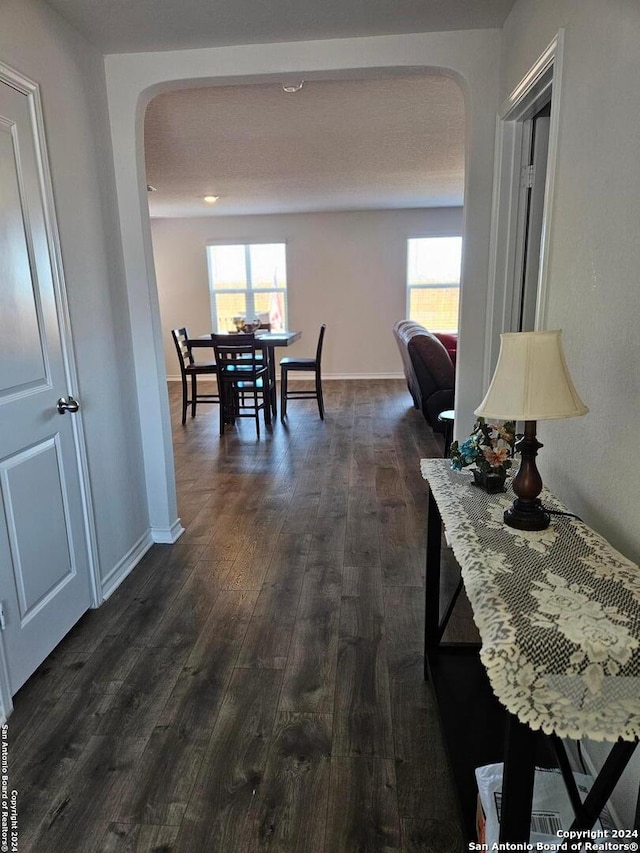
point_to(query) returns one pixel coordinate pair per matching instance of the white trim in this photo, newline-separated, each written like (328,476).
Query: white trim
(520,106)
(126,565)
(523,102)
(167,535)
(549,190)
(328,377)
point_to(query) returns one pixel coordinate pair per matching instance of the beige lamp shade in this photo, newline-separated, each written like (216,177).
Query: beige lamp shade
(531,381)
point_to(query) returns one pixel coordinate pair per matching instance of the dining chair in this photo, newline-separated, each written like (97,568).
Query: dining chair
(192,369)
(243,379)
(308,365)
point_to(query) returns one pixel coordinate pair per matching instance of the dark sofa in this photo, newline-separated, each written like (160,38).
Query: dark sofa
(428,368)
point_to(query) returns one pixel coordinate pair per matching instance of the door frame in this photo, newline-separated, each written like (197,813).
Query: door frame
(31,90)
(513,137)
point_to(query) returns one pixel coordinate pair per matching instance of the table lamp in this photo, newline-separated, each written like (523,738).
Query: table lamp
(531,382)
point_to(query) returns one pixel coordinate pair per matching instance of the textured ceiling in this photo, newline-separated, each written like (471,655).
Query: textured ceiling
(335,145)
(125,26)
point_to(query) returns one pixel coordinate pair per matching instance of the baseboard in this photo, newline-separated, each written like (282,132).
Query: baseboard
(327,377)
(167,535)
(364,376)
(6,702)
(126,565)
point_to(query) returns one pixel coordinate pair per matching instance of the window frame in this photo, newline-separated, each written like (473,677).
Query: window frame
(434,285)
(248,291)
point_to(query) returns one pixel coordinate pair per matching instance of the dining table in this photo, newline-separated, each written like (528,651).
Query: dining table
(267,342)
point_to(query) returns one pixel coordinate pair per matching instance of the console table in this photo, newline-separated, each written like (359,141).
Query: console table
(558,612)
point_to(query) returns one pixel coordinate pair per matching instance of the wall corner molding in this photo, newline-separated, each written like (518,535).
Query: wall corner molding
(167,535)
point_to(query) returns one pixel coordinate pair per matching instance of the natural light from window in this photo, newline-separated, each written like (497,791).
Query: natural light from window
(248,280)
(433,282)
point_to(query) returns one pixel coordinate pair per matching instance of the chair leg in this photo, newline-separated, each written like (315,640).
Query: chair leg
(194,394)
(319,395)
(266,400)
(184,400)
(222,407)
(255,407)
(283,394)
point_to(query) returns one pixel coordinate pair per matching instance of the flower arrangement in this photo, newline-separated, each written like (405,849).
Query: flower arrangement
(489,448)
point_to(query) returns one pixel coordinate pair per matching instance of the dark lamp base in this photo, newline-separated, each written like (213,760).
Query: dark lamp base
(527,515)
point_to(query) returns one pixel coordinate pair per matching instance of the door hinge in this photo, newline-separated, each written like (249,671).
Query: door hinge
(3,621)
(527,175)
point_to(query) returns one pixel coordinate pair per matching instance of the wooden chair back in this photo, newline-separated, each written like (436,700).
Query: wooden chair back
(320,343)
(234,351)
(181,341)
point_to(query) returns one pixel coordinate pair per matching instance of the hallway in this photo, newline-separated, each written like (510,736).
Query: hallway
(258,685)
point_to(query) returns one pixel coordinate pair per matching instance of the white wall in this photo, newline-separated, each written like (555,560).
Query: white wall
(472,57)
(36,42)
(347,270)
(592,462)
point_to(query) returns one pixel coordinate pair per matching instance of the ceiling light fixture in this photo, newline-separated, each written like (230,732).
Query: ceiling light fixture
(290,88)
(210,199)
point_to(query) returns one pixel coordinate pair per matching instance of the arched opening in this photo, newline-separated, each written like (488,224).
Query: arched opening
(134,80)
(354,164)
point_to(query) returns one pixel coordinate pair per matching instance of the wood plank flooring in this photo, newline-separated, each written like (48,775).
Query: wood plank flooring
(258,685)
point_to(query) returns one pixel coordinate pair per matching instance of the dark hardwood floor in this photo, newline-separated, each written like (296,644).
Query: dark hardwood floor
(258,685)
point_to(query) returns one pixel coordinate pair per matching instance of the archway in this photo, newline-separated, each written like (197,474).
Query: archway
(132,81)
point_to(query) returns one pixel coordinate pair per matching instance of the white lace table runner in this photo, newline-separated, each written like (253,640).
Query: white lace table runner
(558,612)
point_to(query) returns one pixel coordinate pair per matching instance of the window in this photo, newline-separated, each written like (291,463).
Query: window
(433,282)
(249,279)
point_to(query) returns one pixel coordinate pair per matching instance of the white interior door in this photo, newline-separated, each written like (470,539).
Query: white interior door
(44,558)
